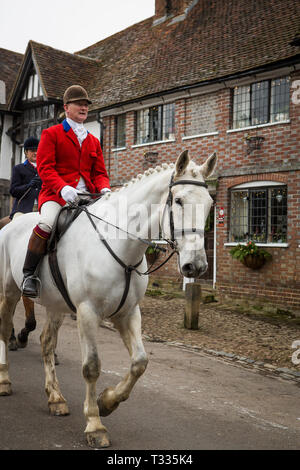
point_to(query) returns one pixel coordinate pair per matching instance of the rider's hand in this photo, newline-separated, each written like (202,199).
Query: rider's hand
(69,194)
(105,190)
(36,182)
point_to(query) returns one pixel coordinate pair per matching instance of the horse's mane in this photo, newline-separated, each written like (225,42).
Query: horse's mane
(193,168)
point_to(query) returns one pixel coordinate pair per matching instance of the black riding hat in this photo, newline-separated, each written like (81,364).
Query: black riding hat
(31,143)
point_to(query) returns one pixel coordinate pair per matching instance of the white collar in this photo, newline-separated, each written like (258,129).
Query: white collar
(74,124)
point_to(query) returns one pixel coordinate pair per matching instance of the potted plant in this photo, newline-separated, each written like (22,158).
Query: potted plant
(250,255)
(152,254)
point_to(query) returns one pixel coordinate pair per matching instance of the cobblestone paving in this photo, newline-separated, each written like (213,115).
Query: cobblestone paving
(234,336)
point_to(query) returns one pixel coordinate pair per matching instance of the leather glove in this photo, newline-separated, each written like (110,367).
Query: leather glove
(36,182)
(69,194)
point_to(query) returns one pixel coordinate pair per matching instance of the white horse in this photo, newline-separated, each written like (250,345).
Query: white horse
(95,280)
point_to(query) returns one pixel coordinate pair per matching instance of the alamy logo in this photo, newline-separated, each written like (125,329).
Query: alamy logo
(296,93)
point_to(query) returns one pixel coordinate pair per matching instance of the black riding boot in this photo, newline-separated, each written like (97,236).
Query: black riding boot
(35,252)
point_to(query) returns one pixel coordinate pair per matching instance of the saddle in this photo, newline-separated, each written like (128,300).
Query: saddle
(63,221)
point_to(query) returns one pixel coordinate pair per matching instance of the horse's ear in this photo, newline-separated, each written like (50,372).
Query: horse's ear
(208,167)
(181,163)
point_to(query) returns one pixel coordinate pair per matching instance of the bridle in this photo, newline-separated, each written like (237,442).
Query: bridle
(127,268)
(174,233)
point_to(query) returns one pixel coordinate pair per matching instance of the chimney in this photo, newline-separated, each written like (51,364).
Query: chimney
(165,8)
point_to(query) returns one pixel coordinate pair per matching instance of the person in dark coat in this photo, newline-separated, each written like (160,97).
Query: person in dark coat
(25,182)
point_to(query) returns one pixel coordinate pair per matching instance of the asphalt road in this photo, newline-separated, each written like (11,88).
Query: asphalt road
(184,401)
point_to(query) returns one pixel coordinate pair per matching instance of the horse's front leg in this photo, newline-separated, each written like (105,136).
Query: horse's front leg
(56,402)
(7,308)
(87,320)
(30,322)
(129,327)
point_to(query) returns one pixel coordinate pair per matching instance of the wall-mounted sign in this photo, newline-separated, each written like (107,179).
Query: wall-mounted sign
(220,216)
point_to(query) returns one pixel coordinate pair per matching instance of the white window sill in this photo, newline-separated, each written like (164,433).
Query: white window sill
(186,137)
(153,143)
(258,126)
(118,149)
(269,245)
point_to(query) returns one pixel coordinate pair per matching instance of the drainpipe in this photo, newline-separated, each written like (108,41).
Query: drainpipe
(215,247)
(102,128)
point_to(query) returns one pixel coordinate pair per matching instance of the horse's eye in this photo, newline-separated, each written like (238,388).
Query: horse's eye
(178,201)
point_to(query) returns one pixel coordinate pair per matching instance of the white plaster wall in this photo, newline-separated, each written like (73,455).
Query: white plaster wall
(6,150)
(93,127)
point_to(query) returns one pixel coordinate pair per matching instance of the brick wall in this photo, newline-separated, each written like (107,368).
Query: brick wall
(200,114)
(277,160)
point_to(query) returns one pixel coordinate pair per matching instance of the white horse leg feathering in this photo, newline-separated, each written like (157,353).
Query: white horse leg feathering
(89,271)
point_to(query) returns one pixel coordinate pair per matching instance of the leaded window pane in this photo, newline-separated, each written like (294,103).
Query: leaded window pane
(280,99)
(155,124)
(258,214)
(120,134)
(241,106)
(169,121)
(36,119)
(261,102)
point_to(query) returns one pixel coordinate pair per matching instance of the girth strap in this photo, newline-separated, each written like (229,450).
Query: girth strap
(127,268)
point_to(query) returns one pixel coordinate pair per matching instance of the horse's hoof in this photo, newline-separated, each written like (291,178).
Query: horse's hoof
(13,345)
(5,389)
(20,343)
(103,409)
(58,409)
(98,439)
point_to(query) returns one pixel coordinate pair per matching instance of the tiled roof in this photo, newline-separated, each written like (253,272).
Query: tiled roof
(58,69)
(218,38)
(9,66)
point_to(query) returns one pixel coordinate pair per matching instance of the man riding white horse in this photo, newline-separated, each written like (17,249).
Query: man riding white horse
(96,276)
(69,161)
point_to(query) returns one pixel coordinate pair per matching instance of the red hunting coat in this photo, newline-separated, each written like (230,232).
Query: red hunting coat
(61,161)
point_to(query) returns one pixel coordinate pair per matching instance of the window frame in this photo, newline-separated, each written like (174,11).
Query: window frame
(153,124)
(249,103)
(120,143)
(271,213)
(34,124)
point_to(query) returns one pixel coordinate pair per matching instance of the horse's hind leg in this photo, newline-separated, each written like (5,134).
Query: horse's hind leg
(56,402)
(129,327)
(96,433)
(7,309)
(30,322)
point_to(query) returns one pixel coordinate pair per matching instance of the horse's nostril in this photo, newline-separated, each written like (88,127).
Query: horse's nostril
(188,269)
